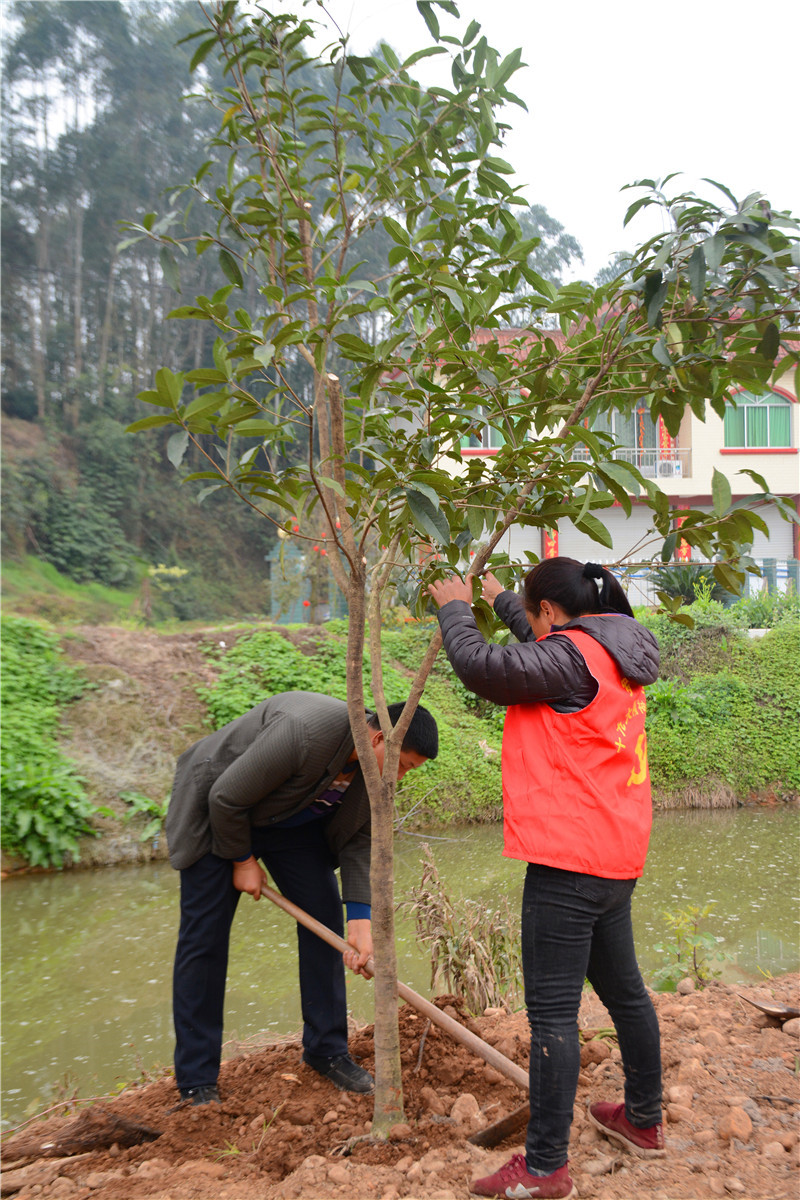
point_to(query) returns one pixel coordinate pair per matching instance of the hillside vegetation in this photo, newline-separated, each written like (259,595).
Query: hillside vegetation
(96,713)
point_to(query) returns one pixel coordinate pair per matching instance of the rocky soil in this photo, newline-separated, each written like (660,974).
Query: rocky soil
(732,1096)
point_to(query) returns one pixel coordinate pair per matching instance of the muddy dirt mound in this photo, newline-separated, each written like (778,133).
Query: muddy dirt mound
(731,1095)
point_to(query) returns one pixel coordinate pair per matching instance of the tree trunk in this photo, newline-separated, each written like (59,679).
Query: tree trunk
(43,314)
(77,294)
(388,1075)
(388,1068)
(105,334)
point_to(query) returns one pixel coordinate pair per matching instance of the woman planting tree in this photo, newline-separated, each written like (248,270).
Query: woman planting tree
(576,804)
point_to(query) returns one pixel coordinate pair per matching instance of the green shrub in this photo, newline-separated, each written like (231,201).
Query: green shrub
(737,725)
(688,952)
(463,783)
(266,662)
(690,581)
(671,699)
(768,609)
(154,812)
(45,808)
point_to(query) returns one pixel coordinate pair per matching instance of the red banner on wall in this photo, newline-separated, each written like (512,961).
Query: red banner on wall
(549,543)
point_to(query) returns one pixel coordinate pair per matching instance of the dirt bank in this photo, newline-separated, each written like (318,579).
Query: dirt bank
(731,1086)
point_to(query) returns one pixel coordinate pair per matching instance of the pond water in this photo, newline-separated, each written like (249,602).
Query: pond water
(87,956)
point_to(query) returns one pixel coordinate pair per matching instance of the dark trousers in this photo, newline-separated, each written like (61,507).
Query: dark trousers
(301,864)
(575,927)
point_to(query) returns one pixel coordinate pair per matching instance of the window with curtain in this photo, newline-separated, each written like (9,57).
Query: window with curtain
(758,422)
(630,430)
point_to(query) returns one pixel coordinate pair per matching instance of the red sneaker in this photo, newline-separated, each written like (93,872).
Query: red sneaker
(610,1119)
(514,1180)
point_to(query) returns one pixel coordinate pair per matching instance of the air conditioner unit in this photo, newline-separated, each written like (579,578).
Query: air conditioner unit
(670,469)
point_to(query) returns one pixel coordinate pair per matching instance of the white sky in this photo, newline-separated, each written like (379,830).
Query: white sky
(619,90)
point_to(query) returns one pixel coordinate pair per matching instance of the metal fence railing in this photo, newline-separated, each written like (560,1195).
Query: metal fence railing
(653,462)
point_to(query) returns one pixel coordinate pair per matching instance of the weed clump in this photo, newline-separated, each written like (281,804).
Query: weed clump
(45,806)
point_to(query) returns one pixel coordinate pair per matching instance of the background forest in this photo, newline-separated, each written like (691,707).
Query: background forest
(103,123)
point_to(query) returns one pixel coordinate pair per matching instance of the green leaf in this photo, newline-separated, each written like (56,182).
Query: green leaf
(333,484)
(476,522)
(616,489)
(473,29)
(668,549)
(425,8)
(721,188)
(720,493)
(625,474)
(428,518)
(355,348)
(654,304)
(770,343)
(150,422)
(170,270)
(642,202)
(427,490)
(202,52)
(508,66)
(661,353)
(587,500)
(396,231)
(728,577)
(596,530)
(188,312)
(177,447)
(169,386)
(714,250)
(151,397)
(426,53)
(230,268)
(754,475)
(207,375)
(697,272)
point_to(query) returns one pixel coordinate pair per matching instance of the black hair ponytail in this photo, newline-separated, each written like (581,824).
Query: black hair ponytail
(612,595)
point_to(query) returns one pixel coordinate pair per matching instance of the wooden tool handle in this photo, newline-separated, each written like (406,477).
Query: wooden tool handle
(471,1040)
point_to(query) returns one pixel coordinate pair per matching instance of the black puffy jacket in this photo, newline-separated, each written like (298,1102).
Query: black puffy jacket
(552,671)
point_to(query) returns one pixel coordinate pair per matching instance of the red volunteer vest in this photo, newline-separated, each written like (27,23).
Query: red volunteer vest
(576,788)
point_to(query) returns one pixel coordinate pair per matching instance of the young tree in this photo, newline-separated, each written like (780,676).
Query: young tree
(310,172)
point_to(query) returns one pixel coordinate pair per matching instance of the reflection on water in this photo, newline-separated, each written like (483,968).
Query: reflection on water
(87,956)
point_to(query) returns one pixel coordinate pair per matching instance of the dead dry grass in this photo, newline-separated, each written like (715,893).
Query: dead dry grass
(125,733)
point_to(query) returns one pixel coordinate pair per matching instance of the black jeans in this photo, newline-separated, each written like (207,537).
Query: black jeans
(575,927)
(301,864)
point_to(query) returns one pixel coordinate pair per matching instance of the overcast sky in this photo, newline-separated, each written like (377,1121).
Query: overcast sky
(619,90)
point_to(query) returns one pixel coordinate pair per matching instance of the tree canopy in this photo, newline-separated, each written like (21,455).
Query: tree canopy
(336,402)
